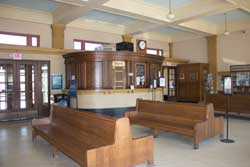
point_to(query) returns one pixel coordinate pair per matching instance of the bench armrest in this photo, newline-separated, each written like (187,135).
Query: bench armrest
(130,113)
(41,121)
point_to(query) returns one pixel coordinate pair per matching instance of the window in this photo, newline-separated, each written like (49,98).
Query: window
(158,52)
(87,45)
(19,39)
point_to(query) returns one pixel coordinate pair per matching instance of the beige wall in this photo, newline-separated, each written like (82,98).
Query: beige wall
(233,50)
(44,30)
(194,50)
(77,33)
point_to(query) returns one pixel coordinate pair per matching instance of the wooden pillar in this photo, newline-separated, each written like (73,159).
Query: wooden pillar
(170,46)
(127,38)
(58,36)
(212,58)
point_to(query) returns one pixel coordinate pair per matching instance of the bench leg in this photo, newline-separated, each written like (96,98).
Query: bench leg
(55,152)
(156,133)
(33,135)
(196,146)
(150,164)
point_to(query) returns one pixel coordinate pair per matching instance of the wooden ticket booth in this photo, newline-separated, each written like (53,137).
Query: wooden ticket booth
(109,79)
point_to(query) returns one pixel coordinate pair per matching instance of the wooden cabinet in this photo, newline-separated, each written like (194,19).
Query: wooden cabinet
(191,80)
(239,102)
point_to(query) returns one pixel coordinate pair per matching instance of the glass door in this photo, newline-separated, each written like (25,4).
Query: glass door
(171,83)
(26,86)
(44,88)
(24,89)
(7,93)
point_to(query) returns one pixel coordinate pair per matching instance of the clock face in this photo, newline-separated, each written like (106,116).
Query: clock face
(142,45)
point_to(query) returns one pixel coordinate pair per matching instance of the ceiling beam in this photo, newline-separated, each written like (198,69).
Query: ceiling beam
(71,10)
(242,4)
(194,11)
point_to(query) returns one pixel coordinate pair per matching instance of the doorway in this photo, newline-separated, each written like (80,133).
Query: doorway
(24,89)
(169,73)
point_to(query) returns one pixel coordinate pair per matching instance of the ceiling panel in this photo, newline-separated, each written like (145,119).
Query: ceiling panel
(232,16)
(44,5)
(165,3)
(110,18)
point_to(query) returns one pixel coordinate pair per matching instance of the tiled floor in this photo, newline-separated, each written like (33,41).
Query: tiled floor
(17,149)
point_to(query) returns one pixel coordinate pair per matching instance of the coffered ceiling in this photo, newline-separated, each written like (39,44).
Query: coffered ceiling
(148,18)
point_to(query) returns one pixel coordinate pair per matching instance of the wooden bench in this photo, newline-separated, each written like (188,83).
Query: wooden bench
(194,120)
(92,140)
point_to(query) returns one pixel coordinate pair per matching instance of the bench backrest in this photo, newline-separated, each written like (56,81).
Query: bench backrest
(184,110)
(95,130)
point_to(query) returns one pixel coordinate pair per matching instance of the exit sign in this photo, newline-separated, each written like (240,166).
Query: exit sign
(16,56)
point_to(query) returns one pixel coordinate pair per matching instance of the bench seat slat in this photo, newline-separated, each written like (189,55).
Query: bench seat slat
(184,130)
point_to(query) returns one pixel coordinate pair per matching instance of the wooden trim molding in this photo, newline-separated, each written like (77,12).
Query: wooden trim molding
(114,91)
(29,49)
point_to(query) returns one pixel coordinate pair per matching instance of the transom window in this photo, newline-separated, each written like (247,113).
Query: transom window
(87,45)
(19,39)
(158,52)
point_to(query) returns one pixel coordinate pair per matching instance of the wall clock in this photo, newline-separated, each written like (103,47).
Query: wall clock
(141,46)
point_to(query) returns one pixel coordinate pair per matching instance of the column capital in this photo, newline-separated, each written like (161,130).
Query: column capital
(127,38)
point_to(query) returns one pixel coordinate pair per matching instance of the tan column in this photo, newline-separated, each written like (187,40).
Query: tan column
(127,38)
(58,36)
(170,46)
(212,58)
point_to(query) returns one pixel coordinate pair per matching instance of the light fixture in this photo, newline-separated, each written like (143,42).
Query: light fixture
(170,13)
(226,32)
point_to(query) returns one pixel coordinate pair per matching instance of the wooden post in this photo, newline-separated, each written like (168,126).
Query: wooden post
(212,58)
(58,35)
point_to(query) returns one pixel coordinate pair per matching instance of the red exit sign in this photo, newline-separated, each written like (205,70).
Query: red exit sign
(16,56)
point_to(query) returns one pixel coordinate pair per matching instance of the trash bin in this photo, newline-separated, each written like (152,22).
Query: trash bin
(62,99)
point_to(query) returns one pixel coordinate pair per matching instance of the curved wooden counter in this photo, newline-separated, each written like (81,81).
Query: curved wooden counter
(95,70)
